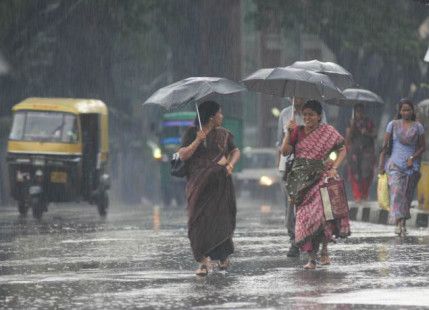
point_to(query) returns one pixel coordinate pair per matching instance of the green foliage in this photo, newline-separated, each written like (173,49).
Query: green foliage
(387,28)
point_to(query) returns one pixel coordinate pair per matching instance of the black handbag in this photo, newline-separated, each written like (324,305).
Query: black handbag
(178,168)
(288,165)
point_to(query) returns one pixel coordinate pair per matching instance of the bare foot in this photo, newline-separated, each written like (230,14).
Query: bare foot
(325,260)
(202,271)
(310,265)
(224,264)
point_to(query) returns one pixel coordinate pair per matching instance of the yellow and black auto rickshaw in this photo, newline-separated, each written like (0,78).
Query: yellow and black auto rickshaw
(57,152)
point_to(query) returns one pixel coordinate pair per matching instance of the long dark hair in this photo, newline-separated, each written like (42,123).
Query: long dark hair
(408,102)
(207,110)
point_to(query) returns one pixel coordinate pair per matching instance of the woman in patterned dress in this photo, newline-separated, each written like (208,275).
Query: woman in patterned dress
(209,189)
(312,144)
(403,165)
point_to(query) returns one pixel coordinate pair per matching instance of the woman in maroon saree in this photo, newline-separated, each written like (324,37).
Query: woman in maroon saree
(209,189)
(312,144)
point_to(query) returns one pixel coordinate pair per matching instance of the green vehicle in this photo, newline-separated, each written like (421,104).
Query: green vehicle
(173,126)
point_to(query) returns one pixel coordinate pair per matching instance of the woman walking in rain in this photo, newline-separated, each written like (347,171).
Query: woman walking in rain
(406,136)
(312,144)
(360,153)
(209,190)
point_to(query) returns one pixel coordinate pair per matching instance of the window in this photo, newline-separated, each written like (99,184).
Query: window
(45,127)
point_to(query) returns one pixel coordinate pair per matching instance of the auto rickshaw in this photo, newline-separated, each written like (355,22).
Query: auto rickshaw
(57,152)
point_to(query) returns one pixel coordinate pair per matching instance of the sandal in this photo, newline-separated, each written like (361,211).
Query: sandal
(202,271)
(310,265)
(224,264)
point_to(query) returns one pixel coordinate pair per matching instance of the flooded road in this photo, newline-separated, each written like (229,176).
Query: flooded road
(140,258)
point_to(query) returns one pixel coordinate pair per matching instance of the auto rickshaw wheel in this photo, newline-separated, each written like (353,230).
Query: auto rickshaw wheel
(22,207)
(103,203)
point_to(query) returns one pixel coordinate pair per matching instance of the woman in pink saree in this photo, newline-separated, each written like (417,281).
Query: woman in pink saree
(312,144)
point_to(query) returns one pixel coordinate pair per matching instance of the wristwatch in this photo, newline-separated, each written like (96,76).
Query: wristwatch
(411,157)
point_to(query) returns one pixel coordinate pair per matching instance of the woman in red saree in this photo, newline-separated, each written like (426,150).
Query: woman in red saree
(312,144)
(209,189)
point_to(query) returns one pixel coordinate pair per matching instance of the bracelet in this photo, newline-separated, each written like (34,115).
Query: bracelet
(411,157)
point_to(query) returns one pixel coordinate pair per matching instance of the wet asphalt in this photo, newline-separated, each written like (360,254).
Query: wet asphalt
(139,257)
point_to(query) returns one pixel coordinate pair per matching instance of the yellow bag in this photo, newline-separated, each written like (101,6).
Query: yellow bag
(383,192)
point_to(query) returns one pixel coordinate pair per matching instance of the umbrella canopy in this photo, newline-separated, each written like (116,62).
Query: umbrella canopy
(358,95)
(292,82)
(340,76)
(423,104)
(423,110)
(192,89)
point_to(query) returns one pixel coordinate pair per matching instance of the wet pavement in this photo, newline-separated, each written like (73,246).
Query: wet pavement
(139,258)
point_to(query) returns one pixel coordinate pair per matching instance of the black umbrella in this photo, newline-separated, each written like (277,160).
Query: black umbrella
(192,89)
(292,82)
(340,76)
(357,95)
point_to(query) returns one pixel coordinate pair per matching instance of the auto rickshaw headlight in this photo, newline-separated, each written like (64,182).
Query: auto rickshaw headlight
(38,162)
(105,181)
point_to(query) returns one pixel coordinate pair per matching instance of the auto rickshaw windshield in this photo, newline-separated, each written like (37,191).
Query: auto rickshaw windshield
(44,126)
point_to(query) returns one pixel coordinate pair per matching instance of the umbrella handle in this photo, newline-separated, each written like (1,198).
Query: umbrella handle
(199,122)
(198,115)
(293,108)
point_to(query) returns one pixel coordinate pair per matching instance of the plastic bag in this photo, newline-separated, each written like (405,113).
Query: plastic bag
(383,192)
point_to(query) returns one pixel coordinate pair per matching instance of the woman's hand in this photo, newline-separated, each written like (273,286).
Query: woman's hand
(229,168)
(333,173)
(291,125)
(410,161)
(223,161)
(201,136)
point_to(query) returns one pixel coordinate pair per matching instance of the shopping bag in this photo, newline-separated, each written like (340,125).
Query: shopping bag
(334,199)
(383,192)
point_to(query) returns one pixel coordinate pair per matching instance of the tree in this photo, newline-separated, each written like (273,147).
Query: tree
(361,33)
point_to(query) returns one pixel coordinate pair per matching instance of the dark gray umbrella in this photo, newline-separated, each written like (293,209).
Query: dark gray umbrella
(358,95)
(423,109)
(192,89)
(292,82)
(340,76)
(423,103)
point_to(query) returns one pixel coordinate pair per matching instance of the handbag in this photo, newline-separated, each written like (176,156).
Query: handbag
(383,192)
(334,199)
(290,158)
(177,168)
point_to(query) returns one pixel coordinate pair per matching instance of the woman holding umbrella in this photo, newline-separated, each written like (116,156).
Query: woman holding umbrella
(403,166)
(209,189)
(312,144)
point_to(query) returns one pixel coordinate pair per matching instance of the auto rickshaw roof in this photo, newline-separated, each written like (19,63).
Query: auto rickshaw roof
(75,106)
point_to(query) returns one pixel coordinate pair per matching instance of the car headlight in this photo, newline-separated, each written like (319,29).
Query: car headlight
(156,153)
(266,181)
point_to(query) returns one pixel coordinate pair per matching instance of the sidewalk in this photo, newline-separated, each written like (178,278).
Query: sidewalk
(372,213)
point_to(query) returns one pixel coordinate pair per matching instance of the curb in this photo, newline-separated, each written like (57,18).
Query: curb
(370,212)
